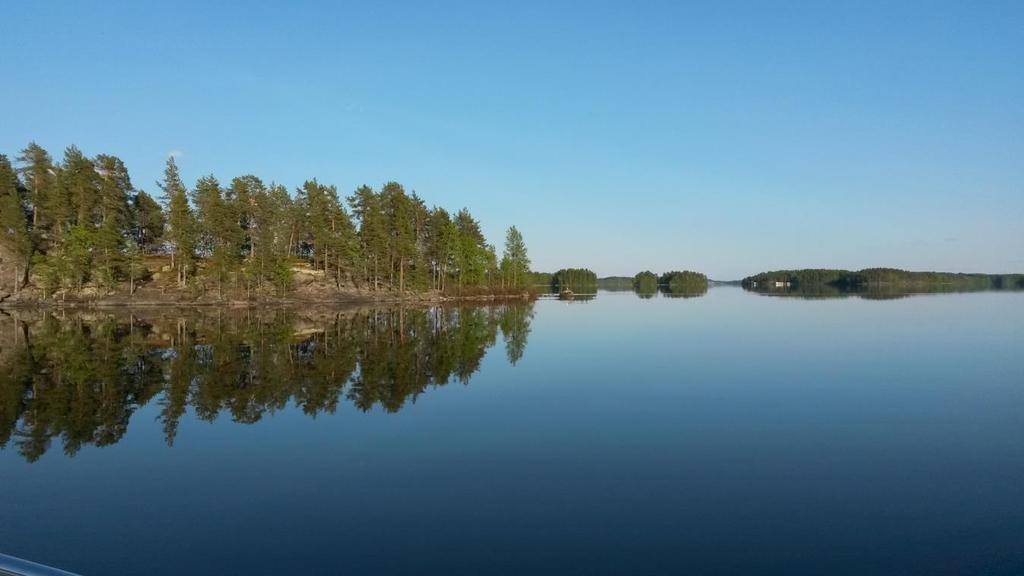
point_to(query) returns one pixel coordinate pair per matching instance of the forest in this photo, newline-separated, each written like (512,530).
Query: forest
(574,279)
(684,282)
(879,278)
(615,283)
(645,282)
(79,225)
(80,379)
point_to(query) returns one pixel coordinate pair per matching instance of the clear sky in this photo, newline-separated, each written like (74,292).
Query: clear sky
(723,137)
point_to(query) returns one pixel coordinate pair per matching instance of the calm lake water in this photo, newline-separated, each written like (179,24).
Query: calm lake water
(728,433)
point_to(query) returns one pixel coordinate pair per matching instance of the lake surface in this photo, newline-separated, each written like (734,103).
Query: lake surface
(728,433)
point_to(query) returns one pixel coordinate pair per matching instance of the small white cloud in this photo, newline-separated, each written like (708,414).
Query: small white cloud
(175,154)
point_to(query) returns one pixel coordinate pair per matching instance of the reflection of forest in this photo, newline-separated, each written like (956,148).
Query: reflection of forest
(682,292)
(80,377)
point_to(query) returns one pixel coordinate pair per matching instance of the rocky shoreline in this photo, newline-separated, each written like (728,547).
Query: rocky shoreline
(154,299)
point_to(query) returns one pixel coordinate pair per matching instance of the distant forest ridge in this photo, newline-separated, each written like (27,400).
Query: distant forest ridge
(880,277)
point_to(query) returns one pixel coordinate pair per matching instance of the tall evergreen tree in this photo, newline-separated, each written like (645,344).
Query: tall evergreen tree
(400,216)
(39,174)
(115,189)
(373,239)
(148,222)
(515,264)
(471,250)
(14,235)
(180,222)
(443,240)
(78,190)
(269,232)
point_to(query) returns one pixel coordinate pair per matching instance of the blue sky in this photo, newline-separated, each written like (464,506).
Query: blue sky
(723,137)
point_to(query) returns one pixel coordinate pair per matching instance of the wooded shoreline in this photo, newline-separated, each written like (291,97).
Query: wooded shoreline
(79,229)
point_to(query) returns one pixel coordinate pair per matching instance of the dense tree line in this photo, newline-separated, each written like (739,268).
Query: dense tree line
(615,283)
(645,282)
(81,379)
(80,221)
(876,278)
(574,279)
(540,279)
(684,282)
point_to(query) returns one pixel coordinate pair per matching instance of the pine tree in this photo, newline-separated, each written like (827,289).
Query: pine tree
(148,221)
(471,250)
(367,207)
(180,222)
(243,194)
(400,216)
(78,190)
(14,235)
(218,230)
(269,230)
(115,189)
(39,174)
(441,245)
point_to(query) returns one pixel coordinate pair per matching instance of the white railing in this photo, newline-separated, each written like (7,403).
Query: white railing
(11,566)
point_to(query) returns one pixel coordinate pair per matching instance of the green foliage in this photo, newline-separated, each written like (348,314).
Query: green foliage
(646,282)
(269,230)
(574,279)
(327,230)
(40,177)
(472,253)
(181,226)
(824,280)
(77,254)
(515,263)
(244,236)
(14,234)
(148,222)
(442,241)
(615,283)
(684,282)
(540,279)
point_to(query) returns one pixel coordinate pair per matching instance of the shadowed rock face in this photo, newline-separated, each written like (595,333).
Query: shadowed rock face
(80,376)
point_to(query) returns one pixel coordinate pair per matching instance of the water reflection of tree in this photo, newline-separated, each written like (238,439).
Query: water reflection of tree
(81,378)
(646,293)
(683,292)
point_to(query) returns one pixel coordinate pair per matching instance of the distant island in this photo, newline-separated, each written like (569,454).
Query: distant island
(878,279)
(585,281)
(78,230)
